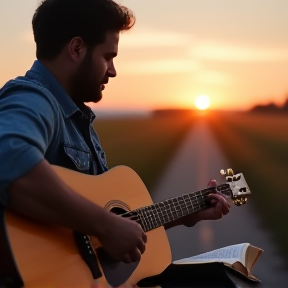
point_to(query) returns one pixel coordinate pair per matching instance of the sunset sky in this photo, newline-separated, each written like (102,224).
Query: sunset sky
(233,51)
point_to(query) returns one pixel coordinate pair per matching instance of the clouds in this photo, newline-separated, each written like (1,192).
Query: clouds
(185,53)
(159,66)
(244,52)
(146,37)
(213,78)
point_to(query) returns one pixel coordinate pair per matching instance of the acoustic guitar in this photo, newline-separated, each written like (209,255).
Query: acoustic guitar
(47,256)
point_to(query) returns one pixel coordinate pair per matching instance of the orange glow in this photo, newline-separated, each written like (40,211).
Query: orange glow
(202,102)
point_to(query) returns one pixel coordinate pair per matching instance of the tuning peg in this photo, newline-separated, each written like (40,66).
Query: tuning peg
(240,201)
(227,172)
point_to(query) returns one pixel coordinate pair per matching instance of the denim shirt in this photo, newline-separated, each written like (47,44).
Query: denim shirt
(38,120)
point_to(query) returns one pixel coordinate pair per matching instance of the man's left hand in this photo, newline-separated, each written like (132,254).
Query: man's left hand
(218,207)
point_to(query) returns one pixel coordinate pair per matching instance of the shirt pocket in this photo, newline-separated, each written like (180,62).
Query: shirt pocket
(79,157)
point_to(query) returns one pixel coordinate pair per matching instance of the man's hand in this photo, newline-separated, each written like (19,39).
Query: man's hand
(123,238)
(218,207)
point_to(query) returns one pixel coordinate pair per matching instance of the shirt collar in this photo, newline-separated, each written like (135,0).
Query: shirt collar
(40,73)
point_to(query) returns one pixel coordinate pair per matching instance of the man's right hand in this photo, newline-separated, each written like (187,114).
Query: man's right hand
(123,238)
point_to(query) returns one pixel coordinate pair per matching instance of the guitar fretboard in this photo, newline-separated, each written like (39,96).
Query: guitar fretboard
(161,213)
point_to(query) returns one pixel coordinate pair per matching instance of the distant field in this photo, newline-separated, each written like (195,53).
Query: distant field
(257,145)
(144,144)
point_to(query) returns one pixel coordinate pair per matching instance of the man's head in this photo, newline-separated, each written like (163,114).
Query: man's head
(84,35)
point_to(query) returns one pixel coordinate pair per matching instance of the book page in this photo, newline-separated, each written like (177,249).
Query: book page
(252,255)
(229,254)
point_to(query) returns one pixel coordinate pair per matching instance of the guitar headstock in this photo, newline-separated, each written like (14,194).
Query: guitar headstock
(238,185)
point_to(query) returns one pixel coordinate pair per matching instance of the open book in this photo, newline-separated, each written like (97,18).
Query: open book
(240,257)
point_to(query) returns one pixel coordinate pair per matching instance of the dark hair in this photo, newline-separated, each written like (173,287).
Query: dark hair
(56,22)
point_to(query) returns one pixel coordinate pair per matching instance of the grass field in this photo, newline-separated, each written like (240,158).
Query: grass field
(257,145)
(144,144)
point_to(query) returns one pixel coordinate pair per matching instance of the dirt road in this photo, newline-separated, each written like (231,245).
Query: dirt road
(198,160)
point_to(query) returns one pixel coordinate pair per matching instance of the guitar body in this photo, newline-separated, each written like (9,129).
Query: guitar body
(47,256)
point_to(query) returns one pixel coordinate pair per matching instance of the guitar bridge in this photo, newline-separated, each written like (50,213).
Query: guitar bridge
(87,253)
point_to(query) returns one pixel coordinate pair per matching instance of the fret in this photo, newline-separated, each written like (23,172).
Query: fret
(186,199)
(166,206)
(203,200)
(174,208)
(181,205)
(144,223)
(157,216)
(157,209)
(167,209)
(200,198)
(153,217)
(177,210)
(190,200)
(145,215)
(161,211)
(153,222)
(147,218)
(171,212)
(197,201)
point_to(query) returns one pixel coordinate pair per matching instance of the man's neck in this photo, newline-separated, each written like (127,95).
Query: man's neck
(58,71)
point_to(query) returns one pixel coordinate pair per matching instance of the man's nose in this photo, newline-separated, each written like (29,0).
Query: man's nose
(112,70)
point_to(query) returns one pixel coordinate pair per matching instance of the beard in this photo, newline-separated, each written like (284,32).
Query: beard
(84,86)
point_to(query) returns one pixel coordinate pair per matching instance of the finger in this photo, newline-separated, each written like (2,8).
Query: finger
(221,208)
(225,209)
(218,197)
(126,258)
(212,183)
(135,255)
(144,237)
(141,246)
(217,213)
(218,208)
(213,201)
(225,202)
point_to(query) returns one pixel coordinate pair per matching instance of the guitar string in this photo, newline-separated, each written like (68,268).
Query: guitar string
(149,211)
(151,220)
(147,214)
(176,204)
(212,189)
(154,222)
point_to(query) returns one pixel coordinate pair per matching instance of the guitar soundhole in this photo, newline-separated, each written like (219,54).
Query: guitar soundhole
(118,211)
(125,213)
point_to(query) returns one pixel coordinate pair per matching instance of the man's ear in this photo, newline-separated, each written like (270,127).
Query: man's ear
(77,49)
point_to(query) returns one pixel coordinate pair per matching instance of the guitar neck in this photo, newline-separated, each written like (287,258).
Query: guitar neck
(162,213)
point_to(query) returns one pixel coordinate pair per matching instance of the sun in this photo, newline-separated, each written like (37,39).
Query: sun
(202,102)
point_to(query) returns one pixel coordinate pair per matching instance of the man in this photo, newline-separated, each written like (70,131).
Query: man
(43,121)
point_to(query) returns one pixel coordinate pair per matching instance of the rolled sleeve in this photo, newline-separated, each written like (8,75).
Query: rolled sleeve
(26,128)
